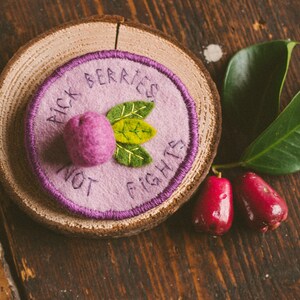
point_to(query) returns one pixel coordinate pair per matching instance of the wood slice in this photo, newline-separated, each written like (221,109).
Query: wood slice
(8,290)
(34,62)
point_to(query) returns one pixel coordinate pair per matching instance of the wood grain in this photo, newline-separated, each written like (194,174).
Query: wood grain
(170,261)
(8,289)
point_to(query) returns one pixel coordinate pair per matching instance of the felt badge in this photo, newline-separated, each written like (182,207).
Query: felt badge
(97,154)
(131,131)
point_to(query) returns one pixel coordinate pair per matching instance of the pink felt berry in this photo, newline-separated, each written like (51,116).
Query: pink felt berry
(89,139)
(213,212)
(260,206)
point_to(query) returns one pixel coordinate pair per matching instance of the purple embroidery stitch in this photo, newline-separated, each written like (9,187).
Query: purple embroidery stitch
(180,173)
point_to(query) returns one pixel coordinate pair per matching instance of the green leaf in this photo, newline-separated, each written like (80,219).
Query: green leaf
(135,109)
(253,84)
(133,131)
(277,149)
(132,155)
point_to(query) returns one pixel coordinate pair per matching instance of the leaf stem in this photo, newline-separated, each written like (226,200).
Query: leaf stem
(215,168)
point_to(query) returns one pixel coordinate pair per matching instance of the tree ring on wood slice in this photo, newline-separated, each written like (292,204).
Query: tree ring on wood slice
(96,64)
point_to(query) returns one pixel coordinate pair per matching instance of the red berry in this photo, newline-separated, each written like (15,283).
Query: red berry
(261,207)
(213,211)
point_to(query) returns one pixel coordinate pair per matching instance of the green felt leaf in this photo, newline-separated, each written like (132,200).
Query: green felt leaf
(253,84)
(135,109)
(133,131)
(132,155)
(277,149)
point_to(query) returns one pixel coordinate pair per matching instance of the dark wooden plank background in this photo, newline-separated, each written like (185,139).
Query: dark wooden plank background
(170,261)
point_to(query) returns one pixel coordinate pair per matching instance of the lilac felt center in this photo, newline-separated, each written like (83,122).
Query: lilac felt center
(97,82)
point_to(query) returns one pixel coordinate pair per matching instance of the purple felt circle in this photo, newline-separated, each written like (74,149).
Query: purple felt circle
(181,172)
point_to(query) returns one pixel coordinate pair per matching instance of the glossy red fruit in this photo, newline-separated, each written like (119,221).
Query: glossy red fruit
(213,212)
(260,206)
